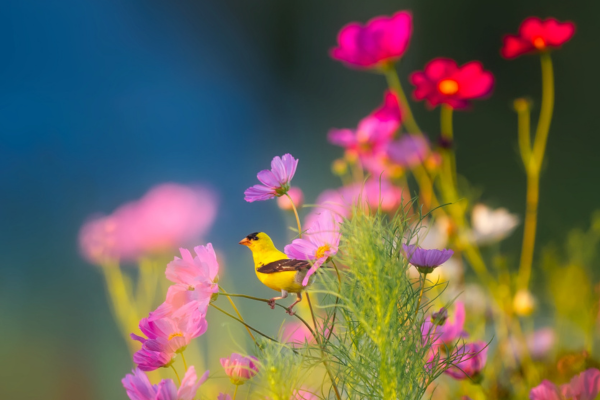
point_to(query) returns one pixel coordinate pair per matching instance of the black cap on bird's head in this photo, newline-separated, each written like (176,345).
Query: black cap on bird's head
(249,239)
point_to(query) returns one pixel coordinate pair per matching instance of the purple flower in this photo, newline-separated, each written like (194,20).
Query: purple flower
(138,387)
(426,260)
(470,360)
(409,150)
(276,182)
(320,242)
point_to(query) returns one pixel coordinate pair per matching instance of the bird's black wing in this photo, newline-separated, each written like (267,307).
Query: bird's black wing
(284,265)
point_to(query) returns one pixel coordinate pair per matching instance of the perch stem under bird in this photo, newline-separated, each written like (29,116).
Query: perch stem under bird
(275,269)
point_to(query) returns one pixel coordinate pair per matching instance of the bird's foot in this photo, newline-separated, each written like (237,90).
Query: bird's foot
(271,304)
(289,311)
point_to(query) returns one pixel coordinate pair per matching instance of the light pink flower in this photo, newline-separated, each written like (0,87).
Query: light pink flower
(167,336)
(195,281)
(381,40)
(471,359)
(138,387)
(275,182)
(240,368)
(169,215)
(584,386)
(318,244)
(223,396)
(297,197)
(296,333)
(305,395)
(450,332)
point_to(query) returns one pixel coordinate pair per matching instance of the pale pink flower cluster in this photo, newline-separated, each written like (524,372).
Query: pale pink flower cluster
(169,215)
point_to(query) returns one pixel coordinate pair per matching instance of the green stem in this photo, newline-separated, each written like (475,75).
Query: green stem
(318,339)
(176,374)
(337,300)
(296,214)
(235,392)
(421,294)
(238,313)
(393,81)
(243,323)
(533,168)
(448,134)
(184,363)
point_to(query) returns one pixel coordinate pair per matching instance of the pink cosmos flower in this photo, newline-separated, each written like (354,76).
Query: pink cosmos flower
(296,333)
(409,151)
(195,281)
(448,333)
(169,215)
(471,360)
(240,368)
(444,82)
(167,336)
(275,182)
(426,260)
(318,244)
(305,395)
(537,35)
(138,386)
(297,197)
(382,40)
(370,140)
(584,386)
(223,396)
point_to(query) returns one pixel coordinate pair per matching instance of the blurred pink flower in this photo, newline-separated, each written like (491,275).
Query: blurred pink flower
(297,197)
(320,242)
(382,40)
(275,182)
(296,333)
(448,333)
(240,368)
(370,140)
(169,215)
(138,387)
(305,395)
(195,281)
(584,386)
(537,35)
(471,359)
(167,336)
(409,151)
(444,82)
(223,396)
(540,342)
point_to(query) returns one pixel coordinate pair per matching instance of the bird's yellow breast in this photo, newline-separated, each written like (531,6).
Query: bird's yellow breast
(278,281)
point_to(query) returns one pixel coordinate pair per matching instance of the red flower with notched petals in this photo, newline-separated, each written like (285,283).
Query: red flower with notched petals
(536,35)
(444,82)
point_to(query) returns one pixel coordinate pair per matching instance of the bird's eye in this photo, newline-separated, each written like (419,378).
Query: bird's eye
(255,238)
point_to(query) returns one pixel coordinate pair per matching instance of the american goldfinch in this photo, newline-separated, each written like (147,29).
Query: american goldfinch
(275,269)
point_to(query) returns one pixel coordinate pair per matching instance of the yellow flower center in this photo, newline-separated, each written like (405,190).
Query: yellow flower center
(539,43)
(448,86)
(321,251)
(174,335)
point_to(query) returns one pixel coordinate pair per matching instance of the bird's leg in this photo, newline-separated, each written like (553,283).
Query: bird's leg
(298,300)
(271,302)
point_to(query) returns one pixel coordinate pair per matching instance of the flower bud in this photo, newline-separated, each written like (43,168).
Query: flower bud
(439,318)
(239,368)
(524,303)
(522,105)
(297,197)
(339,167)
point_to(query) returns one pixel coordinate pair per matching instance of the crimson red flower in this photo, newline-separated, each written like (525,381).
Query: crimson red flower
(536,35)
(382,39)
(444,82)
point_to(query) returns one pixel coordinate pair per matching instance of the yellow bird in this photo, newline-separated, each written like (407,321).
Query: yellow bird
(275,269)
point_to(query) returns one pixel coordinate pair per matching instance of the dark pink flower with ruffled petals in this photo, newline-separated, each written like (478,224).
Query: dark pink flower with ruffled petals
(444,82)
(381,40)
(471,359)
(537,35)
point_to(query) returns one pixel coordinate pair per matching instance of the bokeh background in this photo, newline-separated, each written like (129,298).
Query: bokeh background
(102,99)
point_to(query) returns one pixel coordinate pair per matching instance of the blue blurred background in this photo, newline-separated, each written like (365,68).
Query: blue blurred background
(102,99)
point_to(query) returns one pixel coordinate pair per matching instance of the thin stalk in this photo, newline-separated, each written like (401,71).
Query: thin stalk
(448,134)
(524,118)
(533,170)
(239,315)
(296,214)
(235,392)
(243,323)
(318,339)
(421,293)
(391,75)
(184,363)
(176,374)
(337,300)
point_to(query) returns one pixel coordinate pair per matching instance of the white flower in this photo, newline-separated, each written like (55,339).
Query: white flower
(492,225)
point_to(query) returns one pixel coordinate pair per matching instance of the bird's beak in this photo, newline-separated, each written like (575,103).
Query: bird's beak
(245,242)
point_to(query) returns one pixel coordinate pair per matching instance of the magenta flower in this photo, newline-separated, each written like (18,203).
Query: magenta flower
(276,182)
(318,244)
(223,396)
(409,151)
(382,40)
(444,82)
(195,281)
(426,260)
(167,336)
(584,386)
(537,35)
(138,387)
(448,333)
(297,197)
(471,359)
(240,368)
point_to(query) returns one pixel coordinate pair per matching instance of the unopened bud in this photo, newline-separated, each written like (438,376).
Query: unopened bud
(339,167)
(439,318)
(522,105)
(524,303)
